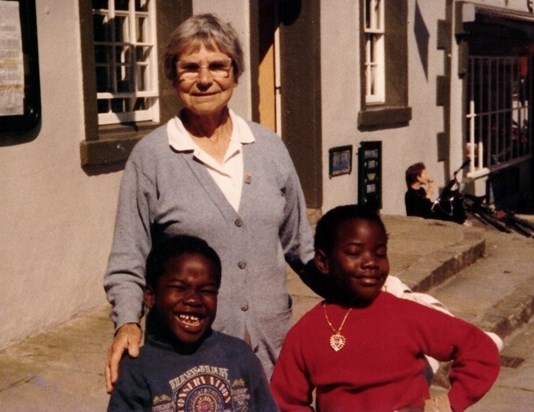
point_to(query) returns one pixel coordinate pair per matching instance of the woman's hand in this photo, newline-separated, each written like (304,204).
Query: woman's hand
(128,337)
(429,188)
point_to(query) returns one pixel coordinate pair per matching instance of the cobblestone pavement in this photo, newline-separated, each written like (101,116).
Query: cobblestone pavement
(62,369)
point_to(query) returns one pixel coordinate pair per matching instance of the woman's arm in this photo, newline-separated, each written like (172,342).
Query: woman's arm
(295,232)
(125,277)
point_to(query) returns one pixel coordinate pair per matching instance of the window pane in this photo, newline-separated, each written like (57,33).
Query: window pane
(102,54)
(140,104)
(100,4)
(372,49)
(124,79)
(372,80)
(142,29)
(122,33)
(103,106)
(378,15)
(142,54)
(141,79)
(141,5)
(101,28)
(120,105)
(368,7)
(102,79)
(121,4)
(123,55)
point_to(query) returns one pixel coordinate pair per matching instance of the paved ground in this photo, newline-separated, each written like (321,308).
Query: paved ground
(63,368)
(514,389)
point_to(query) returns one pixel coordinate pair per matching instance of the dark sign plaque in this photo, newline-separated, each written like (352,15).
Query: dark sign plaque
(370,174)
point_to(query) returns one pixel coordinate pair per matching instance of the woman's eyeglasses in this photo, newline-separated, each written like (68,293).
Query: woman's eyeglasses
(219,69)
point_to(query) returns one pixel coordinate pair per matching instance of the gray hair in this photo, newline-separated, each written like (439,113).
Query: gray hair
(203,30)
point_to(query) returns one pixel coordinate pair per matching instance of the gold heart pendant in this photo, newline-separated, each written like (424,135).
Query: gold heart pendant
(337,342)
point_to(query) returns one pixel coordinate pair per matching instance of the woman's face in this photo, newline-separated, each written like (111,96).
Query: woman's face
(422,178)
(205,82)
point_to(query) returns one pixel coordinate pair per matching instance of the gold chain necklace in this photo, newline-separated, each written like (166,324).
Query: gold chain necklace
(337,340)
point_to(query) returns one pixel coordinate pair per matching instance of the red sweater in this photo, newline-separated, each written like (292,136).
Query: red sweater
(381,366)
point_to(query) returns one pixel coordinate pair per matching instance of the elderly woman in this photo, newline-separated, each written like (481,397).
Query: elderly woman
(211,174)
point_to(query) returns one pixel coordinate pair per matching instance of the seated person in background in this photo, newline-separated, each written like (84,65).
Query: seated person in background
(187,365)
(363,349)
(418,200)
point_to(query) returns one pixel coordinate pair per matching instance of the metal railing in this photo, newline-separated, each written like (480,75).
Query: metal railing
(498,96)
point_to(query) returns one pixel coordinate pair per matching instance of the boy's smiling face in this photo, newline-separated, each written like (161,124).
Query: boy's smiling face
(186,297)
(357,262)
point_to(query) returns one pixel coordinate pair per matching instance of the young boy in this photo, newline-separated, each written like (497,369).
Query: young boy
(187,366)
(363,349)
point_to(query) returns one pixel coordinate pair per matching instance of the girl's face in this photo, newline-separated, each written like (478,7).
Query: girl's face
(357,262)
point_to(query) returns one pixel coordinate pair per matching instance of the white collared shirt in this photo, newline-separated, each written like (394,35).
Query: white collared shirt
(229,175)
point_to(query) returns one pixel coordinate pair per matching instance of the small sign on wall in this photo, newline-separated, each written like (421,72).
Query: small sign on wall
(370,174)
(340,160)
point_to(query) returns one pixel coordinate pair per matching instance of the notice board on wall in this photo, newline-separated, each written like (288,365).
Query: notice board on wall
(20,95)
(370,174)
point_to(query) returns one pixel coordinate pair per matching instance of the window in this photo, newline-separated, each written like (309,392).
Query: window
(125,93)
(498,98)
(125,60)
(384,57)
(374,51)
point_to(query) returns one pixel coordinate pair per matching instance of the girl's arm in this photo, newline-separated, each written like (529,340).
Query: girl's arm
(475,356)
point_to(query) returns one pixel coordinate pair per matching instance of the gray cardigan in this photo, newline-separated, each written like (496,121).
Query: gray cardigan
(164,193)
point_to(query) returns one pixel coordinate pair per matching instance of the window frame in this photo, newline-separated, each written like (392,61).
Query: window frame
(121,55)
(374,32)
(107,146)
(393,109)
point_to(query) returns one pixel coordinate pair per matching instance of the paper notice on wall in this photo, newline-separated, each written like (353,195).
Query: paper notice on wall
(11,60)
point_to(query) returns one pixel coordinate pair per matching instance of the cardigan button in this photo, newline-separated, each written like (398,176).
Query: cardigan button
(244,307)
(241,264)
(238,222)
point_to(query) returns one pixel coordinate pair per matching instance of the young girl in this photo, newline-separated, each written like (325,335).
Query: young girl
(363,349)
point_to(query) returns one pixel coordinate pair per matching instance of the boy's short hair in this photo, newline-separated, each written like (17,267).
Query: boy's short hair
(325,232)
(413,172)
(176,246)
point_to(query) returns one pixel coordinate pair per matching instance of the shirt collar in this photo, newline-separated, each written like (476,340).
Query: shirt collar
(180,140)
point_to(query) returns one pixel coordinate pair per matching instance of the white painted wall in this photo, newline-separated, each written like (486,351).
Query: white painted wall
(340,79)
(340,84)
(56,220)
